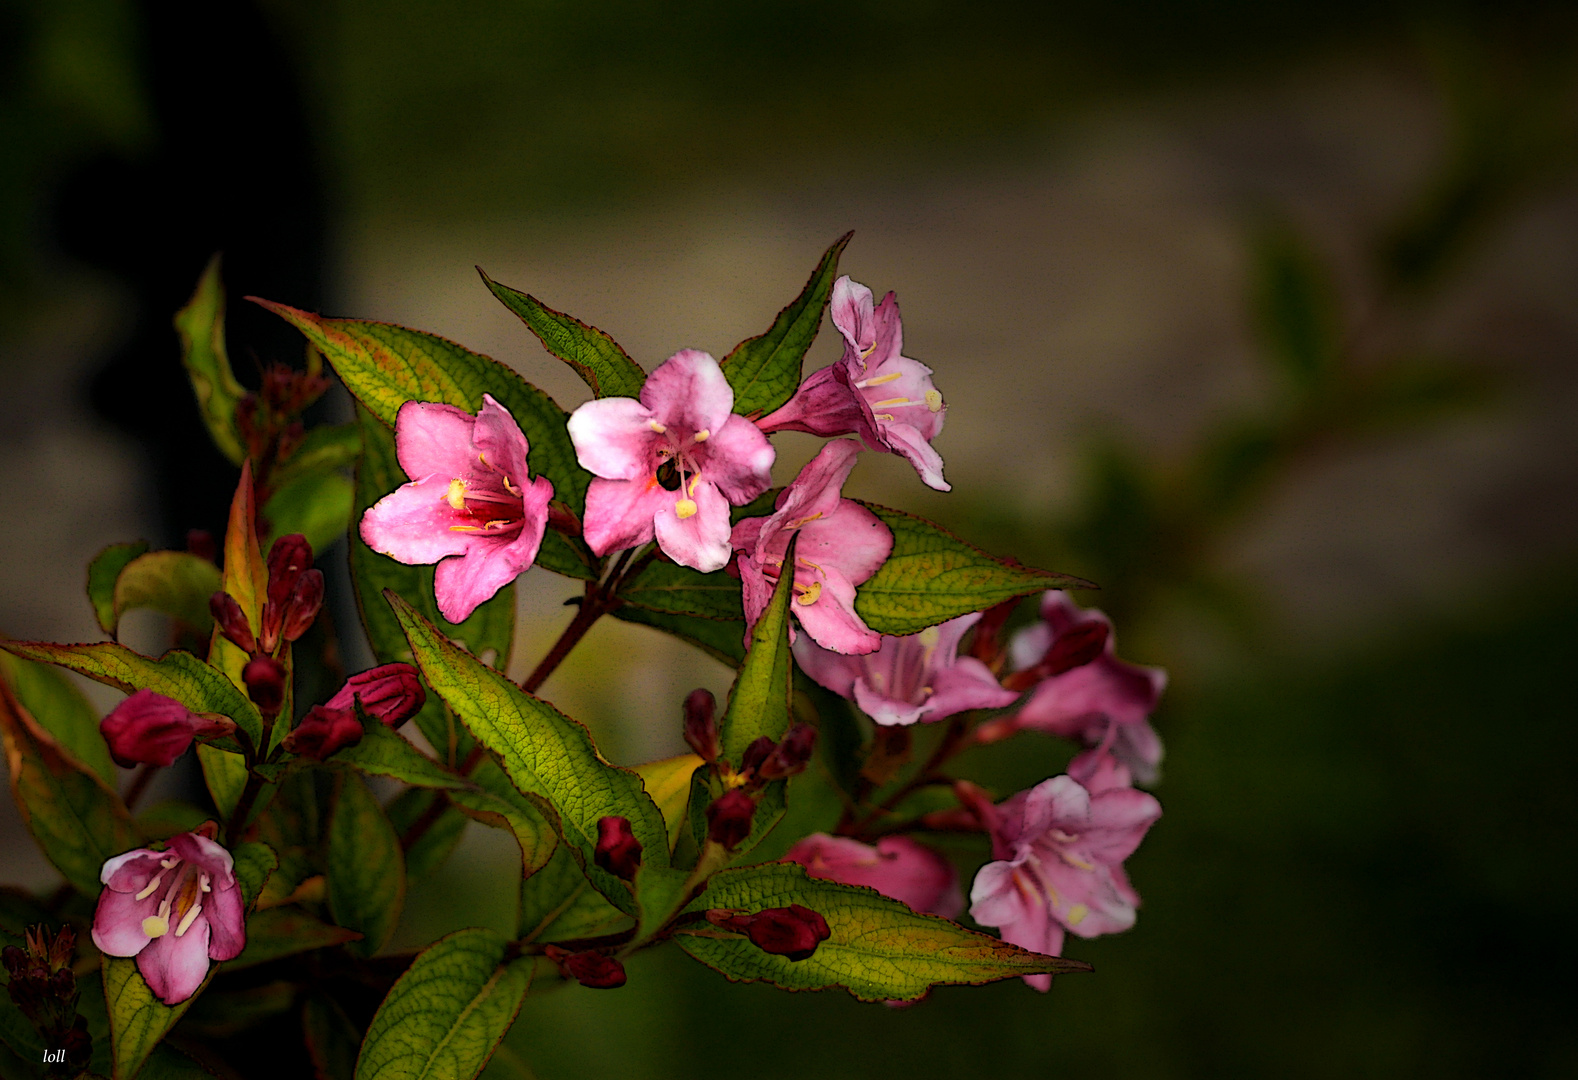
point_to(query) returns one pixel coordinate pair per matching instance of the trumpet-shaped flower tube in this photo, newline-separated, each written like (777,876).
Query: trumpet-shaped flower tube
(897,867)
(151,729)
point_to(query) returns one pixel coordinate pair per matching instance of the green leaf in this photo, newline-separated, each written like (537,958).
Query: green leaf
(326,448)
(138,1019)
(933,576)
(559,903)
(78,819)
(332,1040)
(760,699)
(435,845)
(254,862)
(384,366)
(879,950)
(103,571)
(61,710)
(384,753)
(670,588)
(668,783)
(723,641)
(168,1063)
(544,752)
(1294,306)
(225,774)
(489,630)
(286,931)
(201,324)
(595,356)
(316,504)
(176,674)
(529,818)
(175,583)
(448,1012)
(366,867)
(765,371)
(660,892)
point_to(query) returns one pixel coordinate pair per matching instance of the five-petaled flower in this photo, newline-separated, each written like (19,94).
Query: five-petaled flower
(471,502)
(841,545)
(670,464)
(1059,849)
(871,391)
(897,867)
(174,910)
(919,677)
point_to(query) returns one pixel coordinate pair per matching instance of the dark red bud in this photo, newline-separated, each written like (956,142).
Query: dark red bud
(232,621)
(793,932)
(200,542)
(323,731)
(390,693)
(618,851)
(792,754)
(756,753)
(729,818)
(290,440)
(265,679)
(701,730)
(1075,647)
(14,959)
(150,729)
(288,560)
(988,631)
(305,601)
(591,969)
(562,519)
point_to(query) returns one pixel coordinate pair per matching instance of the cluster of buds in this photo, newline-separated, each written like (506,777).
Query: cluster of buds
(268,420)
(793,932)
(391,694)
(44,989)
(295,594)
(590,968)
(729,816)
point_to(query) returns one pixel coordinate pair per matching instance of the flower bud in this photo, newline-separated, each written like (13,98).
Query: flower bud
(618,851)
(305,601)
(288,560)
(323,731)
(791,755)
(151,729)
(232,621)
(701,729)
(391,693)
(591,969)
(729,818)
(265,679)
(756,753)
(793,932)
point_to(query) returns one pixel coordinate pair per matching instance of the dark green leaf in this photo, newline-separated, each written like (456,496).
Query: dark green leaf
(933,576)
(316,504)
(384,753)
(225,774)
(222,1013)
(168,1063)
(880,950)
(326,448)
(201,324)
(595,356)
(435,845)
(558,903)
(103,571)
(254,862)
(678,590)
(332,1040)
(366,867)
(60,709)
(765,371)
(760,698)
(175,583)
(529,818)
(448,1012)
(285,931)
(723,641)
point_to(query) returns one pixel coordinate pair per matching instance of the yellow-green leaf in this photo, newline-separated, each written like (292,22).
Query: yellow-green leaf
(286,931)
(174,583)
(138,1019)
(51,698)
(103,571)
(315,504)
(595,356)
(668,783)
(201,324)
(760,699)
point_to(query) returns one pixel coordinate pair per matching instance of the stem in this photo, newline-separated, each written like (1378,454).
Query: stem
(139,784)
(952,742)
(238,817)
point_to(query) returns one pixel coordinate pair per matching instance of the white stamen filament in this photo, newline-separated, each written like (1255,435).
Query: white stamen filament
(879,380)
(893,403)
(147,890)
(191,917)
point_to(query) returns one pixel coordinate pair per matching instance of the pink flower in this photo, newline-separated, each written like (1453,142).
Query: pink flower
(897,867)
(1105,701)
(391,693)
(872,391)
(174,910)
(470,503)
(841,545)
(919,677)
(1060,849)
(151,729)
(670,464)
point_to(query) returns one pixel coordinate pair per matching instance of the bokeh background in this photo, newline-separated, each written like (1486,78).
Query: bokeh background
(1264,317)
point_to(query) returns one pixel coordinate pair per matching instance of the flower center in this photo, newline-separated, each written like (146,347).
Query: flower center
(182,902)
(482,507)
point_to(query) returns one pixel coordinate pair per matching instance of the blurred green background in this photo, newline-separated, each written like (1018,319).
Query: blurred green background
(1261,316)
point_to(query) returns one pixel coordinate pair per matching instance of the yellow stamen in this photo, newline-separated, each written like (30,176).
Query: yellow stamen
(804,521)
(465,528)
(1077,913)
(691,489)
(512,489)
(934,401)
(456,494)
(148,889)
(656,427)
(155,927)
(169,864)
(885,417)
(703,435)
(879,380)
(685,508)
(890,403)
(191,917)
(869,350)
(1075,861)
(811,594)
(807,562)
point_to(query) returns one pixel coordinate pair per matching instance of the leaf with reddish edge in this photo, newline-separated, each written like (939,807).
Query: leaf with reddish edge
(596,357)
(201,325)
(60,708)
(765,370)
(103,572)
(932,576)
(174,583)
(880,950)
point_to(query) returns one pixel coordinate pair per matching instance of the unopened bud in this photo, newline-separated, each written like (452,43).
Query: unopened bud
(756,753)
(323,731)
(701,729)
(792,754)
(265,679)
(793,932)
(391,693)
(729,818)
(150,729)
(618,851)
(232,621)
(305,601)
(562,519)
(591,969)
(288,560)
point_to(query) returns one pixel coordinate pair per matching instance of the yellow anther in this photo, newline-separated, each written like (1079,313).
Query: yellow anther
(811,594)
(155,927)
(464,528)
(890,403)
(685,508)
(656,427)
(885,417)
(691,488)
(456,494)
(879,380)
(934,401)
(1075,861)
(703,435)
(807,562)
(1077,913)
(804,521)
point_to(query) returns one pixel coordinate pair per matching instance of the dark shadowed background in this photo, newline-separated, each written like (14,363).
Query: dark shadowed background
(1264,317)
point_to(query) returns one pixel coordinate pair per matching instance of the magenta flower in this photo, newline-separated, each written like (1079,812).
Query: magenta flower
(151,729)
(670,464)
(391,693)
(897,867)
(919,677)
(871,391)
(1087,701)
(470,502)
(174,910)
(841,545)
(1059,851)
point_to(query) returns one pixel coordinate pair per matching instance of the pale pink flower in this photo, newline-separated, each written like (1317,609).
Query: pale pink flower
(1059,851)
(871,391)
(841,545)
(151,729)
(174,910)
(471,502)
(670,464)
(897,867)
(919,677)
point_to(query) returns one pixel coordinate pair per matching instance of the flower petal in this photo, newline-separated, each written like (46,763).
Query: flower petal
(851,539)
(911,445)
(902,389)
(176,966)
(824,405)
(852,310)
(614,438)
(208,855)
(433,439)
(498,438)
(411,524)
(883,709)
(225,913)
(739,460)
(831,620)
(619,513)
(463,584)
(965,684)
(688,392)
(836,671)
(814,492)
(117,921)
(131,872)
(701,540)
